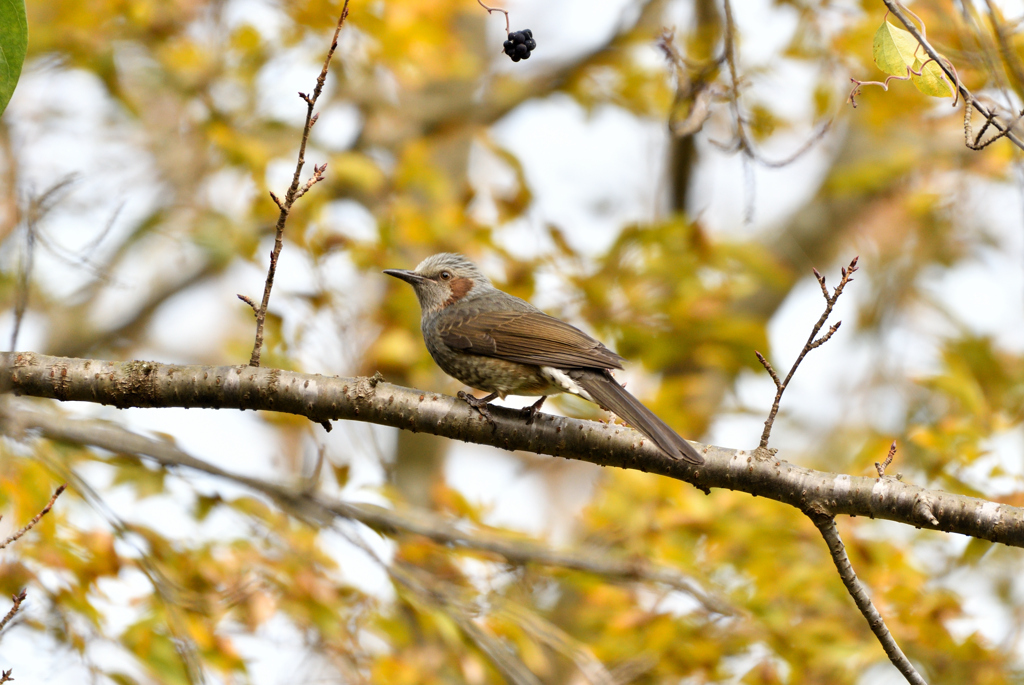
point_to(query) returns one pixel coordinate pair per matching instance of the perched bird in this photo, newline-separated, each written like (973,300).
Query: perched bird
(498,343)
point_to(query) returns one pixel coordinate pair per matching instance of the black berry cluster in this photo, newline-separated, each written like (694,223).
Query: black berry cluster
(520,44)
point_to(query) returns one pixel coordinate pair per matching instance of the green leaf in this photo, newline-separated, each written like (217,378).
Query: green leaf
(897,53)
(13,44)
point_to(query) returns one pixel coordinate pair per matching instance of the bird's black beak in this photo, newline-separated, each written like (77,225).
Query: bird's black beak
(410,277)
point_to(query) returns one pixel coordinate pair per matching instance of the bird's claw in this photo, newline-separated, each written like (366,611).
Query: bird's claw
(480,404)
(530,413)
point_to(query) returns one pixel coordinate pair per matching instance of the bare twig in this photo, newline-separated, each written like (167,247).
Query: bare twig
(496,9)
(812,342)
(37,208)
(249,301)
(888,460)
(318,175)
(295,191)
(826,524)
(31,524)
(768,367)
(17,599)
(24,278)
(742,142)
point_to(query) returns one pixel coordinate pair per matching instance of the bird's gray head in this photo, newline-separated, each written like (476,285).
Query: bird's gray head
(443,279)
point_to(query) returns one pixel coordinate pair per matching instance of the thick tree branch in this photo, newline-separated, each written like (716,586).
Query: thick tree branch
(458,533)
(149,384)
(827,526)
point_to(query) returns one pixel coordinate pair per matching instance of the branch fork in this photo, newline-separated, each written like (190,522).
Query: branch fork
(295,191)
(812,342)
(19,597)
(821,516)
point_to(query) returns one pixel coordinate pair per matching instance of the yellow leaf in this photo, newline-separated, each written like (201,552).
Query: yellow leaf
(931,81)
(895,50)
(897,53)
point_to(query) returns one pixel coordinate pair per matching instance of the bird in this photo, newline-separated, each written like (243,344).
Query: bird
(503,345)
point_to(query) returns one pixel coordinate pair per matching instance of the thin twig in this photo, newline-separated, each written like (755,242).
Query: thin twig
(827,525)
(698,89)
(249,301)
(496,9)
(898,11)
(888,460)
(31,524)
(17,599)
(742,142)
(812,342)
(730,59)
(768,367)
(294,191)
(24,279)
(37,208)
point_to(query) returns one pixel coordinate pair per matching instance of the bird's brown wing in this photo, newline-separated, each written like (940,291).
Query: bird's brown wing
(527,338)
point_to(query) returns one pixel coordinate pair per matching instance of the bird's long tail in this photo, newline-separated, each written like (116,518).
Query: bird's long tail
(614,398)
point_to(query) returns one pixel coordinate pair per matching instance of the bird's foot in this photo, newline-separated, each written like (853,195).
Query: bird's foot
(479,403)
(530,413)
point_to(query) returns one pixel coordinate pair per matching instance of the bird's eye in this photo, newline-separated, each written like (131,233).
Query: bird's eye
(446,276)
